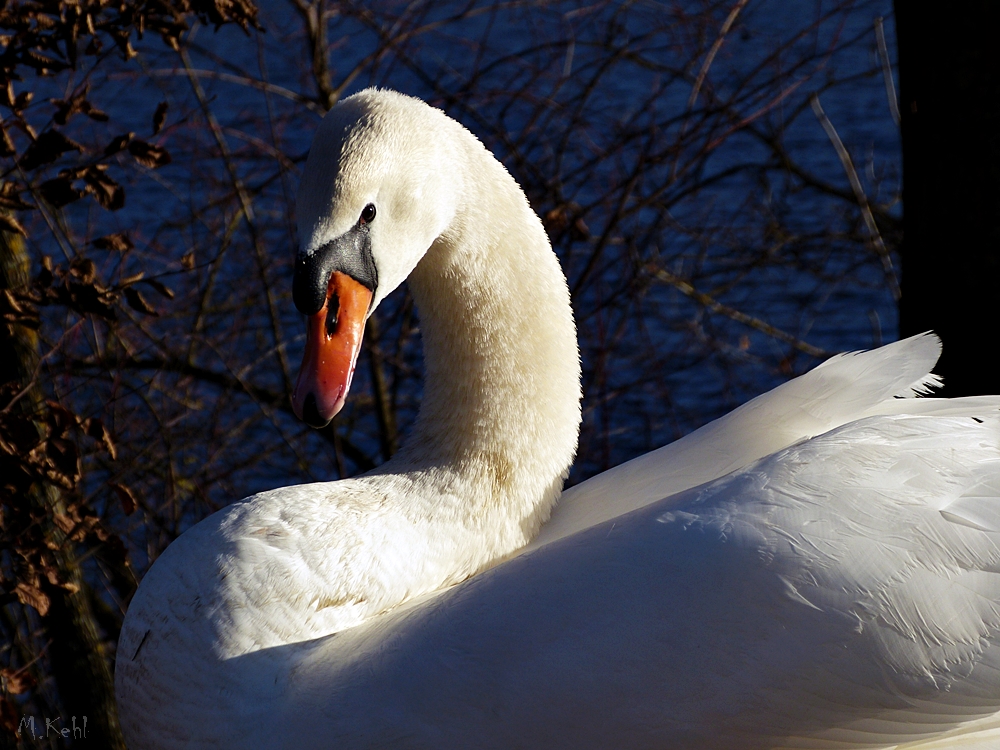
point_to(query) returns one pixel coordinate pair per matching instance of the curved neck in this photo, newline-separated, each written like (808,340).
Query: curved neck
(501,408)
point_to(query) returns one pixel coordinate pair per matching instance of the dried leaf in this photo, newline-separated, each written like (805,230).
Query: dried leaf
(107,192)
(65,524)
(7,147)
(187,261)
(22,100)
(159,116)
(148,155)
(10,197)
(94,113)
(45,276)
(65,459)
(59,192)
(46,148)
(137,302)
(119,241)
(17,309)
(65,109)
(159,286)
(17,681)
(95,428)
(84,269)
(33,597)
(126,497)
(118,143)
(60,419)
(10,224)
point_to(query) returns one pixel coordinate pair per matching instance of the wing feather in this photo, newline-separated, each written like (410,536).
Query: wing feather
(817,598)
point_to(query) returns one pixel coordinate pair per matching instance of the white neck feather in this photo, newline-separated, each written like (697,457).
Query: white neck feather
(498,424)
(501,408)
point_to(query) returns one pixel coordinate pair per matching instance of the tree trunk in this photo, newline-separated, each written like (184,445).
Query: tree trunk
(949,73)
(75,650)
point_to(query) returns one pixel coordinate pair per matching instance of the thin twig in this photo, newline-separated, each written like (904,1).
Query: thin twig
(859,193)
(253,83)
(713,305)
(716,46)
(890,86)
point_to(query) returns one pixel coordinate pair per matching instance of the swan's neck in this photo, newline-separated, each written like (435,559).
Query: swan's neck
(501,409)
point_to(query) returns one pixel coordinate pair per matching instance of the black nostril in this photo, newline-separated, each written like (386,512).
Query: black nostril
(310,413)
(332,313)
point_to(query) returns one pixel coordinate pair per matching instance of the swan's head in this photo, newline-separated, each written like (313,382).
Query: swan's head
(380,185)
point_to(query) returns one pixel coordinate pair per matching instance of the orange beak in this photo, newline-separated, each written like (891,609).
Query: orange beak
(333,341)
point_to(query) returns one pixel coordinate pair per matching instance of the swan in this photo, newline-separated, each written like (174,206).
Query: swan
(818,569)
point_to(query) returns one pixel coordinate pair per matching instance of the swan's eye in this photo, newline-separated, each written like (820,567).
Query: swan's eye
(367,214)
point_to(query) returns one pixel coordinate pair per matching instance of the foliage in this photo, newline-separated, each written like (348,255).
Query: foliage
(48,523)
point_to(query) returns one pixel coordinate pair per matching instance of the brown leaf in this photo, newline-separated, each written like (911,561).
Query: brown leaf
(65,524)
(33,597)
(17,681)
(159,286)
(138,302)
(118,143)
(187,261)
(66,108)
(119,241)
(10,197)
(84,269)
(95,428)
(59,418)
(10,224)
(107,192)
(159,116)
(59,192)
(7,147)
(19,309)
(45,276)
(22,100)
(125,496)
(148,155)
(556,220)
(66,460)
(46,148)
(94,113)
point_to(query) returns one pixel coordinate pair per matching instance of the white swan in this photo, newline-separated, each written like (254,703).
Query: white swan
(819,569)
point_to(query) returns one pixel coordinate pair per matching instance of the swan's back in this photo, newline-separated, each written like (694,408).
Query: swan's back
(841,592)
(846,387)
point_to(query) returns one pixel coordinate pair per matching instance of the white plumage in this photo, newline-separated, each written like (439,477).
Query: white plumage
(818,569)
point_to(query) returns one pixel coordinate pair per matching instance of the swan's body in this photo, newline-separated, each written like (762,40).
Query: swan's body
(816,570)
